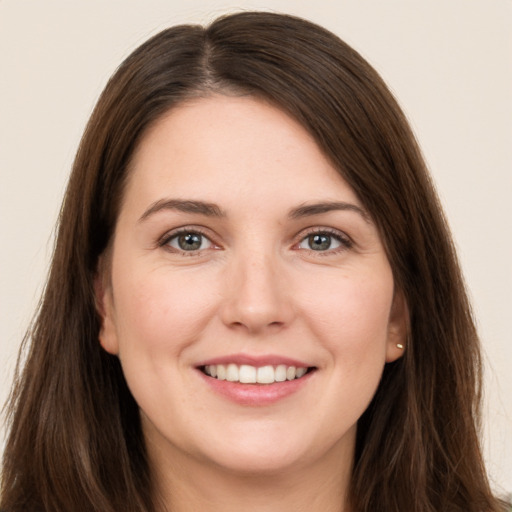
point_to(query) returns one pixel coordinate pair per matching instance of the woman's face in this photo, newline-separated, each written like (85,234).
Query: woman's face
(249,296)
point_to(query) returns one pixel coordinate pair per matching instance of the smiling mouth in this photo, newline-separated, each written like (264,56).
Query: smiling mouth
(247,374)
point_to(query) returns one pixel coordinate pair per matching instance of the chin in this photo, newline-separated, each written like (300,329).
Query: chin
(265,451)
(255,460)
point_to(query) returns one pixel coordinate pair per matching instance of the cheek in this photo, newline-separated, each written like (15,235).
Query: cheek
(351,321)
(351,315)
(160,310)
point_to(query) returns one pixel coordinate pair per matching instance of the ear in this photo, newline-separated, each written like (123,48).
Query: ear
(105,307)
(398,327)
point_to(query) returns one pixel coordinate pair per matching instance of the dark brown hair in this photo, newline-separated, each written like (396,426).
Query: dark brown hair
(75,438)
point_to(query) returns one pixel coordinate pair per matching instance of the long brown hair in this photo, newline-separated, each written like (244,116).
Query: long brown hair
(75,438)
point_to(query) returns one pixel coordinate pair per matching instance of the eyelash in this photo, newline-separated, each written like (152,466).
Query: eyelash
(344,241)
(166,239)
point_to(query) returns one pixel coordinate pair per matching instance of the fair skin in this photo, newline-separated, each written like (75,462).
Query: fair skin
(238,244)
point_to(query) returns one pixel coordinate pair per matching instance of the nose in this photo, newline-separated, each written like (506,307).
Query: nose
(258,297)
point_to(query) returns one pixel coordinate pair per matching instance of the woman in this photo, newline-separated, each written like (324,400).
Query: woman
(254,301)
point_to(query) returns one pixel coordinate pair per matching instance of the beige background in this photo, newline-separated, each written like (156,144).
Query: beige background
(448,61)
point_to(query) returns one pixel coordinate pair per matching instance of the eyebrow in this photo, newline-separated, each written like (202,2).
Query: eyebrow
(212,210)
(318,208)
(186,206)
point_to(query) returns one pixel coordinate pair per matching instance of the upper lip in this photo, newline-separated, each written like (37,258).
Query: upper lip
(255,360)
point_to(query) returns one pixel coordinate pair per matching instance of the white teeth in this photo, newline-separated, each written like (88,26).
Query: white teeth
(221,372)
(232,373)
(266,375)
(247,374)
(290,373)
(300,372)
(281,373)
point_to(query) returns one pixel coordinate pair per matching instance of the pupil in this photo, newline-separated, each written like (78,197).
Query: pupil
(189,242)
(319,242)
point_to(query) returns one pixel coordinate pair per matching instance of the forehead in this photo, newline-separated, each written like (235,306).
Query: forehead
(221,148)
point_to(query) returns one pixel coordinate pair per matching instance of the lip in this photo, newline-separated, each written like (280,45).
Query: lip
(255,395)
(257,361)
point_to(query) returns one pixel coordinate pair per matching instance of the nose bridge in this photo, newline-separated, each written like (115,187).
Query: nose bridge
(257,296)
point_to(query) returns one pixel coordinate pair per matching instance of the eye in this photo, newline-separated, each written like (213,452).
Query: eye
(323,241)
(188,241)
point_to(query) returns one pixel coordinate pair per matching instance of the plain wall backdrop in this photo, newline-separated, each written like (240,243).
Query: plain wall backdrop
(449,62)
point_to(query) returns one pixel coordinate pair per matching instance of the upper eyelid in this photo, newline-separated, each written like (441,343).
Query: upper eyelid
(346,242)
(323,229)
(303,233)
(172,233)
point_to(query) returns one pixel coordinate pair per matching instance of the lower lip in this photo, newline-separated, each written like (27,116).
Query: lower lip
(255,394)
